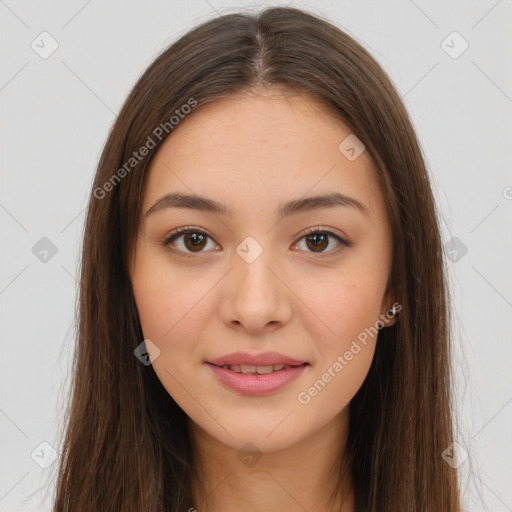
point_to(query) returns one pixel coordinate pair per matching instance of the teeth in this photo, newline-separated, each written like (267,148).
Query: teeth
(261,370)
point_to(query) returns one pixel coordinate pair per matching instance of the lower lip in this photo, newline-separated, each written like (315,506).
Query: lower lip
(248,384)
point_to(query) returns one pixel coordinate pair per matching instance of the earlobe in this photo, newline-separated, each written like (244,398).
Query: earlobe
(390,316)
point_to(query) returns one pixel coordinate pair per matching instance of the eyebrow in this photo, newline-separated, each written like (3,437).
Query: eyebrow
(295,206)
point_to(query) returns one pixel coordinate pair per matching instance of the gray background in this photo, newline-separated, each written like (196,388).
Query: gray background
(55,116)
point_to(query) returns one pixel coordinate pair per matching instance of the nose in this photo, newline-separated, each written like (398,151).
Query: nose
(255,295)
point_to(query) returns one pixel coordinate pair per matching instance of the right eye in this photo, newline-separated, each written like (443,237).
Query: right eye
(194,240)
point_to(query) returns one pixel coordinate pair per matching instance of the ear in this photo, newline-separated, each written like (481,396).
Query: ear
(389,311)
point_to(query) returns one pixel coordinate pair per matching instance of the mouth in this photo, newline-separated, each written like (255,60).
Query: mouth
(255,380)
(247,369)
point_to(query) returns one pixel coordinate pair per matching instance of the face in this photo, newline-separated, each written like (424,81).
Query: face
(252,280)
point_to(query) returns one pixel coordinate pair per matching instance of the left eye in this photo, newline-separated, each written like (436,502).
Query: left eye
(319,240)
(195,240)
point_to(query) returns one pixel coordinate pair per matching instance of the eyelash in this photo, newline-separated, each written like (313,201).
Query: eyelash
(312,231)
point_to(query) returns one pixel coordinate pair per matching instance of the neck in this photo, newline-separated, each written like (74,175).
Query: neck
(304,476)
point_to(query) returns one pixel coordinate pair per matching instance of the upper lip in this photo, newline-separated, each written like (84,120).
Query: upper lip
(263,359)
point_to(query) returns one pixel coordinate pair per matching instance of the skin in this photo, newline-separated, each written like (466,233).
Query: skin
(253,152)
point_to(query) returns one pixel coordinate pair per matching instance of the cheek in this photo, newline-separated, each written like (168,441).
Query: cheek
(170,311)
(343,356)
(174,310)
(344,306)
(345,313)
(166,301)
(154,306)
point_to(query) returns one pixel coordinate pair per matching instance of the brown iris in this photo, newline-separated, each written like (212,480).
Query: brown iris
(317,244)
(198,240)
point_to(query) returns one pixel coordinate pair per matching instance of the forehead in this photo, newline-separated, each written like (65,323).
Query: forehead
(260,148)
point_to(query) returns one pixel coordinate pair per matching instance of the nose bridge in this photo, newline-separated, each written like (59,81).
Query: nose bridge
(255,296)
(253,262)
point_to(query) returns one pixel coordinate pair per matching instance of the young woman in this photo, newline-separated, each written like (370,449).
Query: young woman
(263,319)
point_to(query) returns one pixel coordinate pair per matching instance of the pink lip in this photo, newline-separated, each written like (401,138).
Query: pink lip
(248,384)
(263,359)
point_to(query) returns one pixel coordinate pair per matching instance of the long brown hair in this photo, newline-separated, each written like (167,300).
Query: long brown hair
(126,445)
